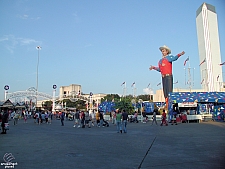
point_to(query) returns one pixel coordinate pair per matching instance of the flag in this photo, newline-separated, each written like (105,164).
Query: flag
(176,82)
(221,64)
(202,81)
(186,61)
(122,83)
(218,77)
(159,84)
(202,62)
(133,84)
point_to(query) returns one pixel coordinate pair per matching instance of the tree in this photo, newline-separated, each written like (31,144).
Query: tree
(125,104)
(47,105)
(144,97)
(79,104)
(111,97)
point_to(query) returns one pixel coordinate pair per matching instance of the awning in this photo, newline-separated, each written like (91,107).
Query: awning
(200,97)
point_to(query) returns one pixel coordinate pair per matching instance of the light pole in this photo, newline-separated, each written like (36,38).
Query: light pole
(150,91)
(140,102)
(6,91)
(53,100)
(38,48)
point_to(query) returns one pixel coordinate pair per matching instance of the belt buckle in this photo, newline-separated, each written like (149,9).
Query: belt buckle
(165,75)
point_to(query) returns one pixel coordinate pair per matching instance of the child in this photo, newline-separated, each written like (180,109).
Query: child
(164,121)
(25,118)
(165,67)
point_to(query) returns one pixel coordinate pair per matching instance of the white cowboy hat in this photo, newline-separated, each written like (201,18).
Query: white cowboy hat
(165,47)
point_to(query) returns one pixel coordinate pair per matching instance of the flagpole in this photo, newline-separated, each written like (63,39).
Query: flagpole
(125,89)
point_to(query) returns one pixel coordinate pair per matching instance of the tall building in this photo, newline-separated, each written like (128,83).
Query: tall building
(209,48)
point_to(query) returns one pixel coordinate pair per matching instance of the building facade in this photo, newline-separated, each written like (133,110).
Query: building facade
(69,91)
(209,48)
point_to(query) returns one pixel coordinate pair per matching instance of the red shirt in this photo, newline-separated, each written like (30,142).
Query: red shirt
(165,64)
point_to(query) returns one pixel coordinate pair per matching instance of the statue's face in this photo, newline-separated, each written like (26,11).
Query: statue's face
(164,52)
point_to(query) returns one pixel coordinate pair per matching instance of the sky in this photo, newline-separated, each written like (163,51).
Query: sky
(99,44)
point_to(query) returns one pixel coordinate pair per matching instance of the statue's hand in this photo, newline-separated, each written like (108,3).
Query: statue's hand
(182,53)
(151,67)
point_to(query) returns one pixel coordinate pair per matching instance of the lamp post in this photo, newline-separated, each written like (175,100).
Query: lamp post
(91,101)
(140,102)
(53,98)
(6,87)
(38,48)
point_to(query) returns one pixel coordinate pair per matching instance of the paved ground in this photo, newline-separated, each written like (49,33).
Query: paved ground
(193,145)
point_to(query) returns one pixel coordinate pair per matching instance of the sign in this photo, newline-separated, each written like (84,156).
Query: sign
(187,104)
(6,87)
(54,86)
(28,93)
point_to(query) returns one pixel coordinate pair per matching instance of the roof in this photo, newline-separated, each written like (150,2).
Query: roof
(201,97)
(208,6)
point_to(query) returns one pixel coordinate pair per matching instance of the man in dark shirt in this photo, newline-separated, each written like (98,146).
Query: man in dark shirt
(5,117)
(124,121)
(62,118)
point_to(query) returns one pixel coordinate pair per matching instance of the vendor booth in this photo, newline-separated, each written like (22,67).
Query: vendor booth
(199,105)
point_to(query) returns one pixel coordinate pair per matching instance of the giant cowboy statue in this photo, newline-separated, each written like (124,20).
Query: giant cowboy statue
(165,67)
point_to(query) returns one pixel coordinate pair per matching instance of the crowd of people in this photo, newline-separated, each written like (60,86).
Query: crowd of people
(81,119)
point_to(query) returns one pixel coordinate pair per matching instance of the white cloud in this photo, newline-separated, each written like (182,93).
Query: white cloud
(23,16)
(76,17)
(4,39)
(148,91)
(25,41)
(28,17)
(10,42)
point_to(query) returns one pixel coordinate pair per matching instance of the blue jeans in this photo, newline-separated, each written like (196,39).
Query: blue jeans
(101,122)
(118,125)
(167,82)
(124,126)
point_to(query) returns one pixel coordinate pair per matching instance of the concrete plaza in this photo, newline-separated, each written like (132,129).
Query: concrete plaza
(51,146)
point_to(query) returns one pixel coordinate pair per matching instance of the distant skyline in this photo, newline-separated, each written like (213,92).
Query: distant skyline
(99,44)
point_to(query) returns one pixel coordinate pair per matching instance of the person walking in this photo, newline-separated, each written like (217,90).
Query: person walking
(87,119)
(49,117)
(37,117)
(82,117)
(124,121)
(92,117)
(101,119)
(15,118)
(4,118)
(62,116)
(113,117)
(154,118)
(97,116)
(25,118)
(77,119)
(164,121)
(118,121)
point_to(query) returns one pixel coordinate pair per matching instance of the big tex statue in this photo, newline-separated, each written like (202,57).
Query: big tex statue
(165,67)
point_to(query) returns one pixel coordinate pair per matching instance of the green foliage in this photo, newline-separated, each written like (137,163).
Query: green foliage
(111,97)
(144,97)
(125,104)
(79,104)
(47,105)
